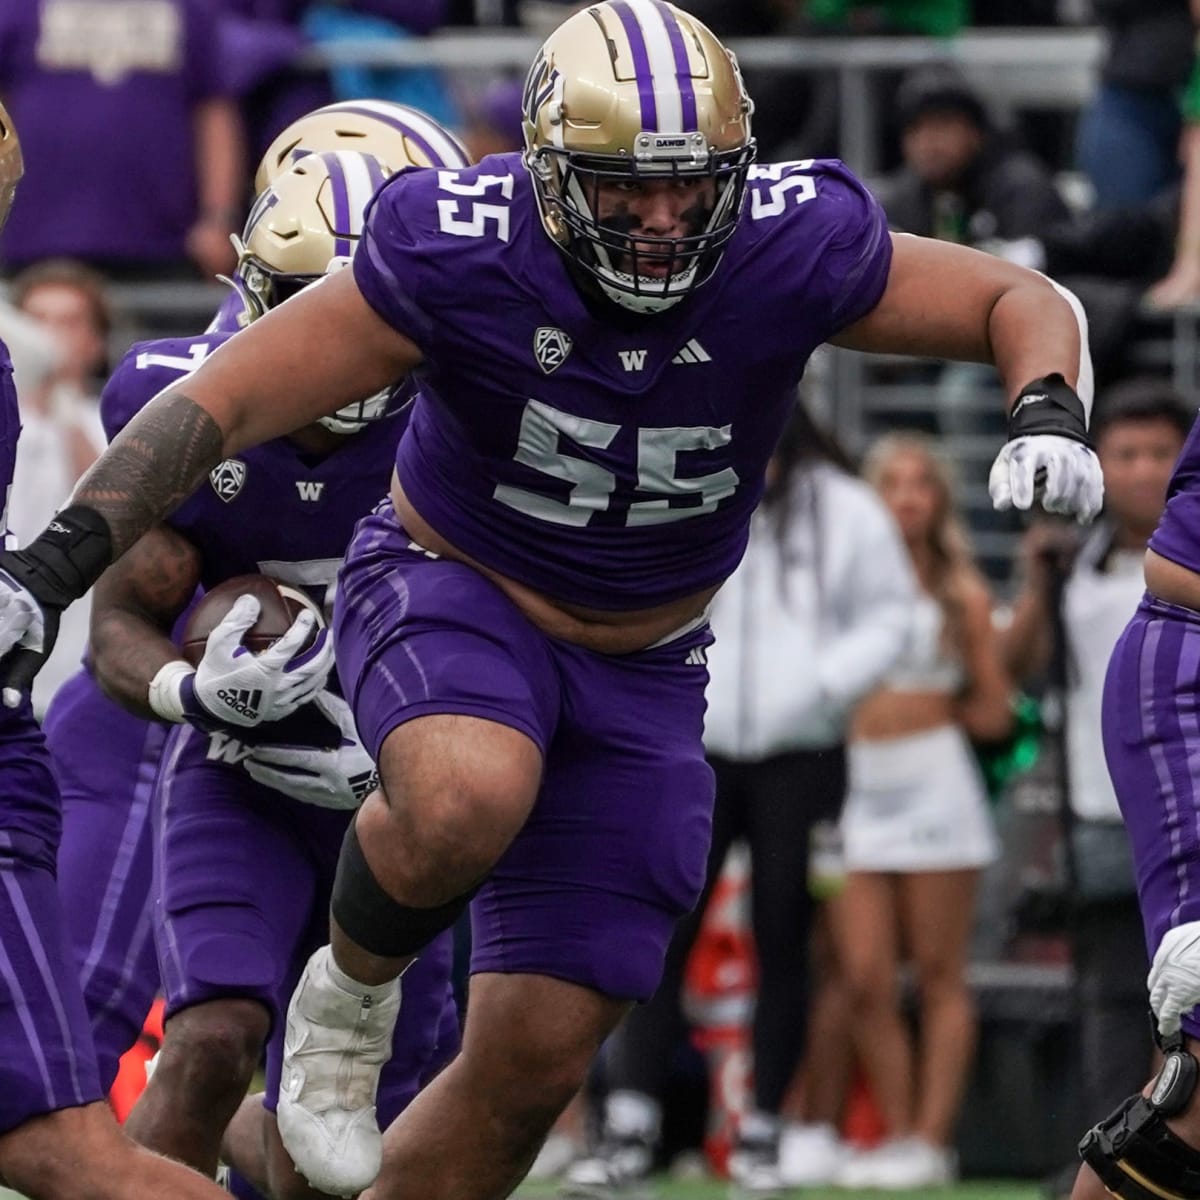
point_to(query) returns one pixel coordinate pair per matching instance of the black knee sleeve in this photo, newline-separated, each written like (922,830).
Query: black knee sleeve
(368,915)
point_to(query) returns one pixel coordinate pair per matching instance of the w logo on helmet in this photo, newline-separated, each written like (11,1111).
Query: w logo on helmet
(539,87)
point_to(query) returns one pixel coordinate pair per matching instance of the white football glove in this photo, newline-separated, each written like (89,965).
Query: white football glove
(1063,473)
(339,778)
(233,686)
(23,627)
(1174,979)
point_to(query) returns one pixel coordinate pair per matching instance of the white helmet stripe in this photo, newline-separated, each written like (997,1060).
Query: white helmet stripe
(667,97)
(360,187)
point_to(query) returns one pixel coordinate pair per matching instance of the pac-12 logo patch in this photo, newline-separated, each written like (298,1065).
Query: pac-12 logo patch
(227,478)
(550,347)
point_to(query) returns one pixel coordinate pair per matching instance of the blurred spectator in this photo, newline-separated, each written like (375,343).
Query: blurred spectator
(61,434)
(33,350)
(132,148)
(1074,602)
(494,120)
(259,42)
(917,832)
(810,621)
(423,88)
(962,180)
(1128,134)
(1181,285)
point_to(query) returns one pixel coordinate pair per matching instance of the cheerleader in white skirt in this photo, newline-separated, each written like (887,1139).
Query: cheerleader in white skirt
(917,832)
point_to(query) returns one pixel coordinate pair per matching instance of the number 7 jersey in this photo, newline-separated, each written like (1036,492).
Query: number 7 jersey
(605,458)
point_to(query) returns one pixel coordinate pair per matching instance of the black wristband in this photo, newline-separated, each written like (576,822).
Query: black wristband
(1048,405)
(66,558)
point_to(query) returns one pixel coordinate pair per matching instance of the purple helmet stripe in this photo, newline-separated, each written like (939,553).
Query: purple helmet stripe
(341,204)
(409,130)
(641,63)
(683,70)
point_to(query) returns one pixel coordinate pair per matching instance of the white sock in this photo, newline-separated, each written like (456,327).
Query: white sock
(350,986)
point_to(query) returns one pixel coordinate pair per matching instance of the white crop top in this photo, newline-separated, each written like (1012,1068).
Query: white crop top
(925,665)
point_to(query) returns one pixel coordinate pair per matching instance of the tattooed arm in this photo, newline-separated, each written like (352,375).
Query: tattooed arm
(134,605)
(322,350)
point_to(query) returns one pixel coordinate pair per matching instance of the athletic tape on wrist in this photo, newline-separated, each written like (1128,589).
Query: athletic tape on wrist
(166,691)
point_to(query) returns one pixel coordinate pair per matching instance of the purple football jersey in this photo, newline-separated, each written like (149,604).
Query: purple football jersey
(103,95)
(608,460)
(1178,534)
(273,508)
(30,799)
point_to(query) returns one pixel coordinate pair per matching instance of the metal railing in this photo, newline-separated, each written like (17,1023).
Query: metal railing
(1013,68)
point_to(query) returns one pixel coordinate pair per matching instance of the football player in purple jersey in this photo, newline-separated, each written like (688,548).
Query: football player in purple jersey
(106,758)
(607,332)
(58,1139)
(1150,1144)
(246,871)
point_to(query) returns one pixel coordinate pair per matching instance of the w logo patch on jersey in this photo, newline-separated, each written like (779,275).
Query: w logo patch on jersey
(550,347)
(227,478)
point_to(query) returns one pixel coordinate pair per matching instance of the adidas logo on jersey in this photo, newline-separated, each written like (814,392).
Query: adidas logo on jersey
(697,657)
(242,700)
(693,352)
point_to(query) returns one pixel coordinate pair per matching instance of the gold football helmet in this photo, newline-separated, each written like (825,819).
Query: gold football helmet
(394,133)
(636,91)
(12,165)
(304,226)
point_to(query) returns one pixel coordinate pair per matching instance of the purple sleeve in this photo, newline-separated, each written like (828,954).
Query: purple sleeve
(391,263)
(860,251)
(116,407)
(203,67)
(146,369)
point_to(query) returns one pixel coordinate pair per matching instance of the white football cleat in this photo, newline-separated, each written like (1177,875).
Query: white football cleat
(338,1036)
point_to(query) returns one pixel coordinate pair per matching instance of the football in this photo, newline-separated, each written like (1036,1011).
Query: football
(280,605)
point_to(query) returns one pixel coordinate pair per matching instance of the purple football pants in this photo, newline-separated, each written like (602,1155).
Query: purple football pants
(106,761)
(1151,720)
(615,849)
(246,878)
(46,1057)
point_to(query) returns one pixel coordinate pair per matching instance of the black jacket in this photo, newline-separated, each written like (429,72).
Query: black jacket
(1006,193)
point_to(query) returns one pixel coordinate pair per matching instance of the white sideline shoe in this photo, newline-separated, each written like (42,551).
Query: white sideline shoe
(338,1036)
(904,1164)
(810,1155)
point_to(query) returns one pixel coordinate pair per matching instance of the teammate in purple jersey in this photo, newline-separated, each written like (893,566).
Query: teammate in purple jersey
(607,332)
(58,1139)
(1150,1145)
(106,759)
(248,831)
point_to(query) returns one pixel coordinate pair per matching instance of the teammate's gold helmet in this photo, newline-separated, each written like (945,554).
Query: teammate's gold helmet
(12,165)
(394,133)
(304,226)
(635,90)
